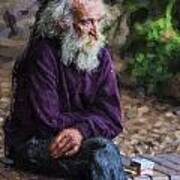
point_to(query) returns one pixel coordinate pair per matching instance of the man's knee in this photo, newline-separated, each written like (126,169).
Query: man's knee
(104,159)
(100,144)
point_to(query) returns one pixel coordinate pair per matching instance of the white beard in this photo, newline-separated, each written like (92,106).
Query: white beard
(73,49)
(80,51)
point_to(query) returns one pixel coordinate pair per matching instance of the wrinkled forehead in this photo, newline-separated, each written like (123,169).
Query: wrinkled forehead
(88,8)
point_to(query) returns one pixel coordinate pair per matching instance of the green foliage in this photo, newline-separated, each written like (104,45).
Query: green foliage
(133,5)
(150,64)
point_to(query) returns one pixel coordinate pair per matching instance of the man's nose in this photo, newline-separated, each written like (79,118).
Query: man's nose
(93,27)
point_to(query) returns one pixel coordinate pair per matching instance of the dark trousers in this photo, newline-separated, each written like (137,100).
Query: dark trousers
(98,159)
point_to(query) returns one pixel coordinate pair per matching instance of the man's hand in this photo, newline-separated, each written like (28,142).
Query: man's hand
(66,143)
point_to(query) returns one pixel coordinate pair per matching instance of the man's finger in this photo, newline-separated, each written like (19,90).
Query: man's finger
(73,151)
(66,148)
(69,146)
(56,140)
(61,144)
(60,137)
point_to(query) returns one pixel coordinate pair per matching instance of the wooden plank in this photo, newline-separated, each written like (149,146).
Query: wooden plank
(165,170)
(171,158)
(158,173)
(144,177)
(163,162)
(159,176)
(159,168)
(175,177)
(176,155)
(130,178)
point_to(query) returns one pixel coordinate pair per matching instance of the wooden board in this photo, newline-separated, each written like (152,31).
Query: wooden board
(165,167)
(165,162)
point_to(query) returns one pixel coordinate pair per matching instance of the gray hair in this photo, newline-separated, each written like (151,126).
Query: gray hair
(59,10)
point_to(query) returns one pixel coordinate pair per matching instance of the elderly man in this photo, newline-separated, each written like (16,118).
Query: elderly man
(65,107)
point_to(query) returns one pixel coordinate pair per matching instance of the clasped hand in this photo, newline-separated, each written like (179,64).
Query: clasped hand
(66,143)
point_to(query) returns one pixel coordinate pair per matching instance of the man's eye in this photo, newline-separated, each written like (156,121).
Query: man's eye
(85,22)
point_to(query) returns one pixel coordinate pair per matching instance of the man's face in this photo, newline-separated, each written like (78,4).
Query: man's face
(87,17)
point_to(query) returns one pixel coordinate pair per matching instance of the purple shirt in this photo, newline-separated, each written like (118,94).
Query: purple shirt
(50,96)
